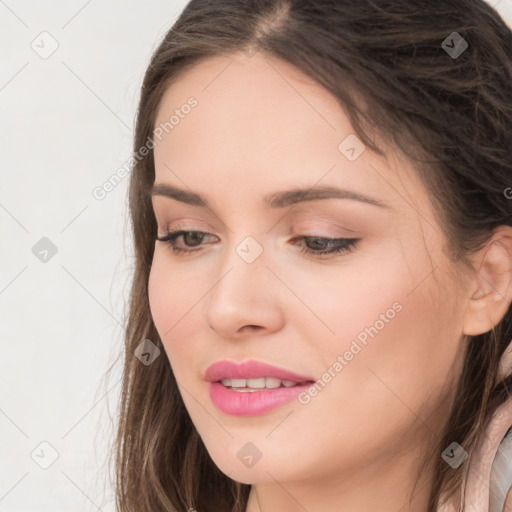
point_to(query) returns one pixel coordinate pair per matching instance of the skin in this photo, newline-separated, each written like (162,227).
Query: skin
(261,126)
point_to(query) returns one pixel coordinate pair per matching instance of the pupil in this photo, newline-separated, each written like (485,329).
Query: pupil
(318,243)
(193,235)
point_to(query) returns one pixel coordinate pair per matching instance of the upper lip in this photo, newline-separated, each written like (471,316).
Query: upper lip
(250,370)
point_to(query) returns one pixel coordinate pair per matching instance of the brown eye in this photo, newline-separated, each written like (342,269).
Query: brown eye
(190,241)
(193,240)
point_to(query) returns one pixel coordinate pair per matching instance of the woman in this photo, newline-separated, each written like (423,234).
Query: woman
(322,220)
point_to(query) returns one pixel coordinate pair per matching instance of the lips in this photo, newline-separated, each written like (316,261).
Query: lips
(241,401)
(251,370)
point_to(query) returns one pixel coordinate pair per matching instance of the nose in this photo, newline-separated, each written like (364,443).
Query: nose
(244,300)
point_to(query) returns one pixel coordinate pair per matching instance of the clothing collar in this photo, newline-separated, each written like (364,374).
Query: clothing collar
(477,491)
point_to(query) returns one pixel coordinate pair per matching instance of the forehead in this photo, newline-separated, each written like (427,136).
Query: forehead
(263,125)
(259,107)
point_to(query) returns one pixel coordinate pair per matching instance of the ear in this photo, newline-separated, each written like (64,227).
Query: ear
(491,291)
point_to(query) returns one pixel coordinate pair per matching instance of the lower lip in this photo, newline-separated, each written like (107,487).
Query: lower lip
(252,403)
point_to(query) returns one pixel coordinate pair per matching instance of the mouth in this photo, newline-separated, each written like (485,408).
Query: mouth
(253,374)
(260,384)
(252,388)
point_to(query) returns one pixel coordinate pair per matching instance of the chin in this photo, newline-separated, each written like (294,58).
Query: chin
(264,470)
(250,476)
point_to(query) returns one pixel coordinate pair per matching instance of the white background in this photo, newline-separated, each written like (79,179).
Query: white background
(66,126)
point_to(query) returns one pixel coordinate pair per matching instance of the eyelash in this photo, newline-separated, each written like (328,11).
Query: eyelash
(348,244)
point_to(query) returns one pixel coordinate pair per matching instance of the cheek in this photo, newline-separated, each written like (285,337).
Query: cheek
(391,378)
(172,296)
(168,291)
(397,358)
(391,323)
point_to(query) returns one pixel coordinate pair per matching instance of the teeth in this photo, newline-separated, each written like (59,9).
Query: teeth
(259,383)
(256,383)
(271,382)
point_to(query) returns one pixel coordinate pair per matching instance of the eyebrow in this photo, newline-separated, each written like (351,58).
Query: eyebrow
(275,200)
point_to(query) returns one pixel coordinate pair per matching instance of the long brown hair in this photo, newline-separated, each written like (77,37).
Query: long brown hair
(385,62)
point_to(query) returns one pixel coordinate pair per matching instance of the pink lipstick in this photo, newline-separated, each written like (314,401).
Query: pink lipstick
(252,388)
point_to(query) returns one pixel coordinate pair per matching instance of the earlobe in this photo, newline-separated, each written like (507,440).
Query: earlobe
(492,291)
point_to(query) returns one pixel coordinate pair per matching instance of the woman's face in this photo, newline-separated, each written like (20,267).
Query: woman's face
(377,325)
